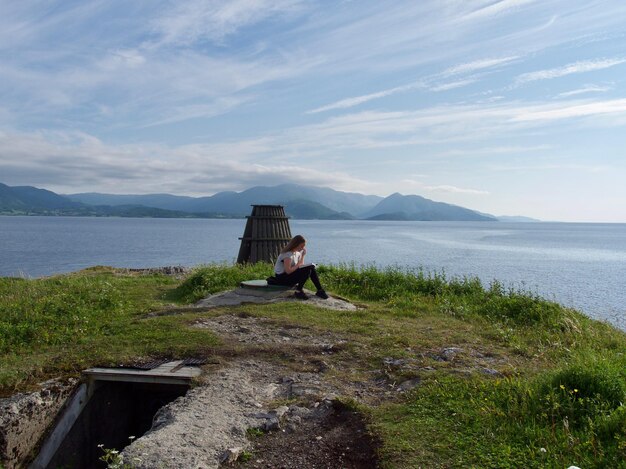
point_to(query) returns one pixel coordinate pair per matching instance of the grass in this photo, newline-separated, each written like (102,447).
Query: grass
(60,325)
(557,399)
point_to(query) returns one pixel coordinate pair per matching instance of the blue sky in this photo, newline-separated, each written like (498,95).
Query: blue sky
(511,107)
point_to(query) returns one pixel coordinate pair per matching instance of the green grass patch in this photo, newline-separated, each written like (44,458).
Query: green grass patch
(218,277)
(63,324)
(452,422)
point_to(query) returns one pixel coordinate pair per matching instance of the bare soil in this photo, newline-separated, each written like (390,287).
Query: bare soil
(334,438)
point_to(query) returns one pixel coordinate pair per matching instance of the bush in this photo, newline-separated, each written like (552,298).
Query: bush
(582,394)
(577,410)
(521,308)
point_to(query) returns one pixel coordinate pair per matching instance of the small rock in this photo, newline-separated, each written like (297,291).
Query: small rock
(321,365)
(300,390)
(295,420)
(394,362)
(408,385)
(299,412)
(280,411)
(271,424)
(450,353)
(490,371)
(318,438)
(231,455)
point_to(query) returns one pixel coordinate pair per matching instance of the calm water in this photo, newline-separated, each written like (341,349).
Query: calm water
(579,265)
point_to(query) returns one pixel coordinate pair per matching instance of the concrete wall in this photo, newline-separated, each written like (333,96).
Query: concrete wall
(25,418)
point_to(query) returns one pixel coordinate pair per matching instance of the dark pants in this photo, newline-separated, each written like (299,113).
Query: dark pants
(299,278)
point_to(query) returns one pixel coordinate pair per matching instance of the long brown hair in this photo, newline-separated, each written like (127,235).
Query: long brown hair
(297,240)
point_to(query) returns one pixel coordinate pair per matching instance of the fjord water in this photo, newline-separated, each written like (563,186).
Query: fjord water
(578,265)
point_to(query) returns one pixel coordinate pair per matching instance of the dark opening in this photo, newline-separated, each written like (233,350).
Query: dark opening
(115,412)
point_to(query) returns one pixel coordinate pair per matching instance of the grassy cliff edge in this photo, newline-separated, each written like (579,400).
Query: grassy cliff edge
(506,378)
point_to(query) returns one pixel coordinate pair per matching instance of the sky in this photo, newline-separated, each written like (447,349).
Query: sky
(509,107)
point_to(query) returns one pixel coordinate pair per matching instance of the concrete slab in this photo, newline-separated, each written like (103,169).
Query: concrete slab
(260,296)
(169,373)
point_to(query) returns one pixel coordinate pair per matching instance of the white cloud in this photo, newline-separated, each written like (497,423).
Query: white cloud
(495,9)
(453,85)
(568,111)
(481,64)
(585,90)
(576,67)
(75,162)
(583,168)
(355,101)
(425,83)
(455,190)
(198,20)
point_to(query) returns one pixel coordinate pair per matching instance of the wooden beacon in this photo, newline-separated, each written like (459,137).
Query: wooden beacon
(267,232)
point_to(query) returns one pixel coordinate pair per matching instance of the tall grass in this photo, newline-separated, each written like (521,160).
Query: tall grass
(458,296)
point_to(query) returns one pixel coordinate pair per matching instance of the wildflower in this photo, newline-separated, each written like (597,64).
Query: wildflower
(543,450)
(101,445)
(575,390)
(562,387)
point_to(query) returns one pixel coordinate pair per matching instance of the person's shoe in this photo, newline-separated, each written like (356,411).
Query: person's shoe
(322,294)
(301,295)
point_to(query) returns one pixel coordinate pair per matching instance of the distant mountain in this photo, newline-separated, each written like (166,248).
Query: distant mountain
(415,207)
(309,210)
(238,203)
(27,198)
(162,201)
(301,202)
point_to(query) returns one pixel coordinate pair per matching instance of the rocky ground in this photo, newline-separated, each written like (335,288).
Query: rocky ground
(255,412)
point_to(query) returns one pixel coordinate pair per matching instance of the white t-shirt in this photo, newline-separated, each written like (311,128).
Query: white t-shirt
(279,268)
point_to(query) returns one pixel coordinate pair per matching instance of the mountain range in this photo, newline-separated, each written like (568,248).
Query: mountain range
(301,202)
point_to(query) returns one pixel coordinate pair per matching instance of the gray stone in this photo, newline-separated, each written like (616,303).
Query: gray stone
(395,362)
(294,420)
(231,455)
(297,411)
(281,411)
(450,353)
(300,390)
(271,424)
(408,385)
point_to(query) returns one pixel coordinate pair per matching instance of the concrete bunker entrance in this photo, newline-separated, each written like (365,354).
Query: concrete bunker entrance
(110,409)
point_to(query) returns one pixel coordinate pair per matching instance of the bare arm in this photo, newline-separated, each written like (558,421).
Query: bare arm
(292,268)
